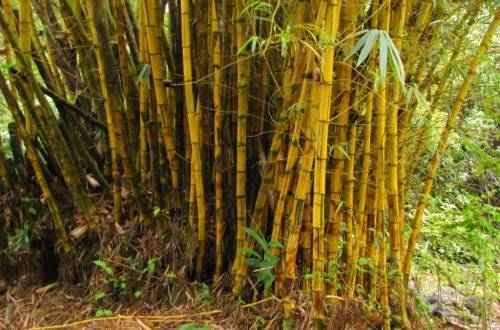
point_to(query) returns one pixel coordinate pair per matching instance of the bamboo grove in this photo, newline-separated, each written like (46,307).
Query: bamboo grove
(304,121)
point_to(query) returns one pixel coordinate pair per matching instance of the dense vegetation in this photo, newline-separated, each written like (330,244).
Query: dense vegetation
(317,146)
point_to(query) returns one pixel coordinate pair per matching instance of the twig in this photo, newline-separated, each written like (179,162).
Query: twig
(57,98)
(151,318)
(261,301)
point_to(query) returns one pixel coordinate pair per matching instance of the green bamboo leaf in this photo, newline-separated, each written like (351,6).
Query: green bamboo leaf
(370,41)
(252,41)
(396,59)
(418,95)
(359,44)
(257,5)
(409,95)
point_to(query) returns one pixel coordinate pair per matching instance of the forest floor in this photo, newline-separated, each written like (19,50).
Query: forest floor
(85,292)
(60,306)
(63,306)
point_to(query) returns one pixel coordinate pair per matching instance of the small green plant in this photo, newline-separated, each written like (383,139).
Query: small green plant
(204,293)
(156,211)
(193,326)
(29,204)
(169,280)
(264,262)
(118,283)
(101,312)
(20,242)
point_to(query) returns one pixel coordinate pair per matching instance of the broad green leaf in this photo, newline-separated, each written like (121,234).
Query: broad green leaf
(246,250)
(254,262)
(151,266)
(256,237)
(272,261)
(275,244)
(99,295)
(104,266)
(103,313)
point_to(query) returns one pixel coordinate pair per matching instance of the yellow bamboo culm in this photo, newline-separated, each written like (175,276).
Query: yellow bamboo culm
(320,162)
(361,218)
(9,16)
(110,121)
(279,134)
(25,47)
(292,158)
(380,175)
(194,130)
(35,162)
(143,98)
(241,145)
(217,59)
(394,216)
(340,120)
(160,92)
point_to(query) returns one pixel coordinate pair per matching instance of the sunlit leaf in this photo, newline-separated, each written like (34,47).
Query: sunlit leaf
(370,41)
(383,57)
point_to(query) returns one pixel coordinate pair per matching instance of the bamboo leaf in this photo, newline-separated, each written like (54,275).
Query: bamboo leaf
(252,41)
(396,59)
(383,57)
(144,74)
(257,6)
(370,41)
(359,44)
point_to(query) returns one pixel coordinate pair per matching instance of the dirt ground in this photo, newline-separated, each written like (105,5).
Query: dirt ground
(60,306)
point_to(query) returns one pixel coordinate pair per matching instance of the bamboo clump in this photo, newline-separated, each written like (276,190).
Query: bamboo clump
(272,117)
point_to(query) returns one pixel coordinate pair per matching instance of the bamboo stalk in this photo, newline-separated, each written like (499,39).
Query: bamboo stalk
(241,149)
(35,162)
(194,130)
(160,93)
(217,95)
